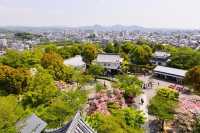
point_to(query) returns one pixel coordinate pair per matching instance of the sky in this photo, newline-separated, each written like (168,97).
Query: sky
(148,13)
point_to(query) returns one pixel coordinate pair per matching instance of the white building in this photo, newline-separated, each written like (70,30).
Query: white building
(3,43)
(171,74)
(76,62)
(109,61)
(160,58)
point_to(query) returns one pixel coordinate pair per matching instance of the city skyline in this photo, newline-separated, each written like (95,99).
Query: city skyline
(147,13)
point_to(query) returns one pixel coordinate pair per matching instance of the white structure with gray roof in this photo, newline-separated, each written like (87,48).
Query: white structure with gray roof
(109,61)
(160,58)
(174,74)
(76,62)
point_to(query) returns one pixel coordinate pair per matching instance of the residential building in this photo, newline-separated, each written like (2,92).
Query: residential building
(109,61)
(76,62)
(160,58)
(3,44)
(171,74)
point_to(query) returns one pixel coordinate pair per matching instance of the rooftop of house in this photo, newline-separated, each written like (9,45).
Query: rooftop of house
(31,124)
(109,58)
(75,61)
(169,70)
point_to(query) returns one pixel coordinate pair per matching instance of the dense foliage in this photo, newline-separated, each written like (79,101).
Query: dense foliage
(125,120)
(130,84)
(41,89)
(96,70)
(26,36)
(10,112)
(62,108)
(141,54)
(22,59)
(14,80)
(89,52)
(193,78)
(163,104)
(185,58)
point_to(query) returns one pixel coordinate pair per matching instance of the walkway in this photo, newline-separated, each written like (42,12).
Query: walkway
(147,96)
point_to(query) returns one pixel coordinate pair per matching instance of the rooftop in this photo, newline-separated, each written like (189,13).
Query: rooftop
(169,70)
(109,58)
(31,124)
(76,125)
(159,54)
(75,61)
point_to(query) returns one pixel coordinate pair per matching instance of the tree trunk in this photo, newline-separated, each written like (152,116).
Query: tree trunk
(162,125)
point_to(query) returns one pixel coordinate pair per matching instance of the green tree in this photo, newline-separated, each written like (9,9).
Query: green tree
(70,51)
(62,108)
(10,113)
(51,59)
(89,52)
(22,59)
(14,80)
(127,47)
(159,47)
(163,104)
(133,118)
(51,48)
(109,48)
(80,77)
(95,70)
(184,58)
(125,120)
(141,54)
(193,78)
(41,89)
(54,64)
(104,124)
(131,84)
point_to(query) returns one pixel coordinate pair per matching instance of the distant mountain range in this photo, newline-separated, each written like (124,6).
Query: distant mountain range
(113,28)
(117,28)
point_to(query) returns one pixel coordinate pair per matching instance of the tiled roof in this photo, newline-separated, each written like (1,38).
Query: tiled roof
(76,125)
(31,124)
(169,70)
(109,58)
(159,54)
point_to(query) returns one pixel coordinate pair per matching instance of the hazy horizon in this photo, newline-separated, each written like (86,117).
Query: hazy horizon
(170,14)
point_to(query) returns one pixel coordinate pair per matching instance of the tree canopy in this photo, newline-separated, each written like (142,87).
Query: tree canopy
(163,104)
(193,78)
(125,120)
(130,84)
(41,89)
(184,58)
(89,52)
(110,48)
(14,80)
(95,70)
(141,54)
(22,59)
(62,108)
(10,112)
